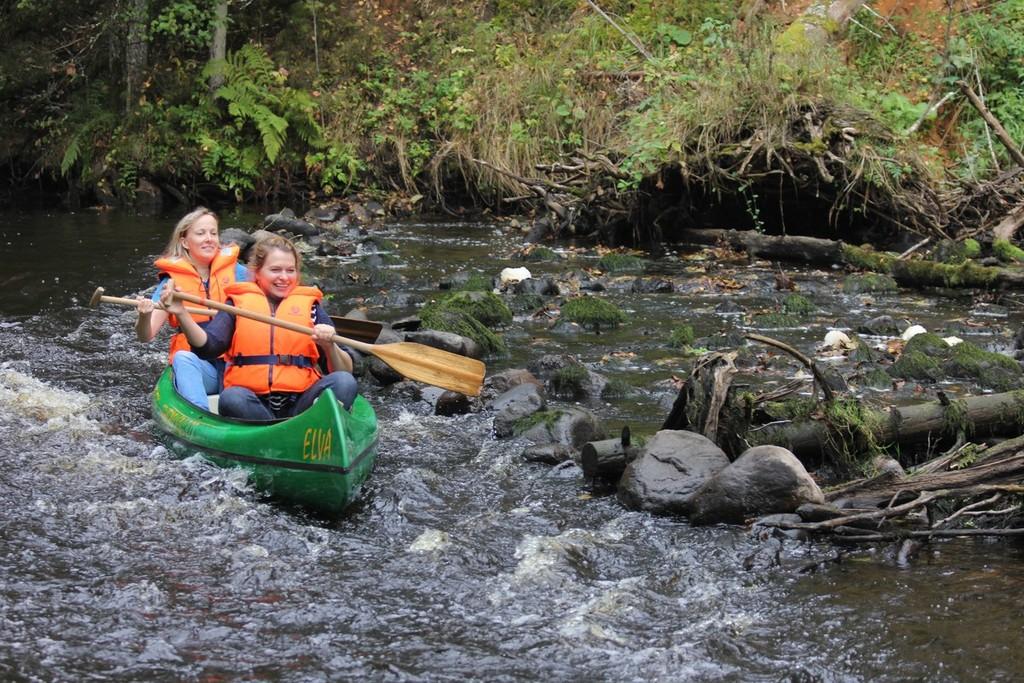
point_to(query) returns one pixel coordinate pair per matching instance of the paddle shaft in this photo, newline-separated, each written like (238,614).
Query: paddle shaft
(124,301)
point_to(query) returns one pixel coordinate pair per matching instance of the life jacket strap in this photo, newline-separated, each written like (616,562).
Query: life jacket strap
(275,359)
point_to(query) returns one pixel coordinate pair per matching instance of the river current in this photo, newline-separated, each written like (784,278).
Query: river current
(460,561)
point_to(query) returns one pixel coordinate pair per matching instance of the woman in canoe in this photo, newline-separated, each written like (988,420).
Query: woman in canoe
(271,372)
(195,262)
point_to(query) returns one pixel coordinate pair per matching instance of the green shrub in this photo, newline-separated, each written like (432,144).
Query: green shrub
(681,337)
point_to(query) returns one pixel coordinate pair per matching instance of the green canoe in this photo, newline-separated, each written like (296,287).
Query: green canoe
(317,459)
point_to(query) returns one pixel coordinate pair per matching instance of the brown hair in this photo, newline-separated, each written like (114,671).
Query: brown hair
(259,251)
(173,248)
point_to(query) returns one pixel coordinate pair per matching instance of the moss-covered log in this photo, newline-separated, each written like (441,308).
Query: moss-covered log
(903,427)
(907,272)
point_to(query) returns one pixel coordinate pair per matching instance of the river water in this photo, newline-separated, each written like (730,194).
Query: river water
(460,561)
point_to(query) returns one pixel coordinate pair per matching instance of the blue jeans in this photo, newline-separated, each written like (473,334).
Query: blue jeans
(195,378)
(245,404)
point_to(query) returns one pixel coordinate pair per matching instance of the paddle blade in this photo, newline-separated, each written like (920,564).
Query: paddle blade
(361,330)
(432,366)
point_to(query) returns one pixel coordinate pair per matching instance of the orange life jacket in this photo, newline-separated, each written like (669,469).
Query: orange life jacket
(187,279)
(265,358)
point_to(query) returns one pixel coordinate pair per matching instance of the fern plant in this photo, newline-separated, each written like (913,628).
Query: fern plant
(257,126)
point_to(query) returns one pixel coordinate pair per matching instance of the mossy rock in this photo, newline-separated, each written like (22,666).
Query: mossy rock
(798,304)
(774,320)
(548,418)
(616,388)
(526,303)
(928,357)
(540,254)
(475,282)
(869,282)
(592,312)
(921,358)
(487,307)
(877,378)
(462,323)
(992,370)
(621,263)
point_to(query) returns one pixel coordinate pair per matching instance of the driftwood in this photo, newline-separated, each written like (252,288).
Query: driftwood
(698,407)
(607,459)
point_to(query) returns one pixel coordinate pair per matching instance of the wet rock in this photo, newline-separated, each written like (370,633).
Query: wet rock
(570,427)
(652,286)
(381,372)
(729,308)
(763,480)
(335,247)
(883,464)
(358,213)
(323,214)
(452,403)
(671,467)
(548,454)
(565,376)
(282,222)
(447,341)
(543,286)
(375,208)
(540,230)
(495,385)
(240,237)
(515,404)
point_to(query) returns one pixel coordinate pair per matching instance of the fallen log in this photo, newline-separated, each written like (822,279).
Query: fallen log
(781,247)
(897,426)
(908,272)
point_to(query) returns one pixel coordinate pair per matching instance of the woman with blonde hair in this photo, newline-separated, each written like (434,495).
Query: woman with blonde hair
(195,262)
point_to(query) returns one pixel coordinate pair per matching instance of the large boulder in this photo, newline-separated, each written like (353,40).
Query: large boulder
(669,469)
(763,480)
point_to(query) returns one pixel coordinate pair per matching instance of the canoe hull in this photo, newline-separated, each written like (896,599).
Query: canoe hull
(318,459)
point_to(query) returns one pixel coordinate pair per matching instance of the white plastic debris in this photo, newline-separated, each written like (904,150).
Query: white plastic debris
(952,341)
(912,332)
(510,276)
(837,340)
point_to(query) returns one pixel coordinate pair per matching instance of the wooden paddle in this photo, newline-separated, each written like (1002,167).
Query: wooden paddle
(355,328)
(414,361)
(99,297)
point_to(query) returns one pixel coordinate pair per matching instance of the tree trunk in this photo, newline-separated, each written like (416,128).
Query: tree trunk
(218,44)
(136,52)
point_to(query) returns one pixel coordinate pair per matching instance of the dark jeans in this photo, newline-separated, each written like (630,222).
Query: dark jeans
(245,404)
